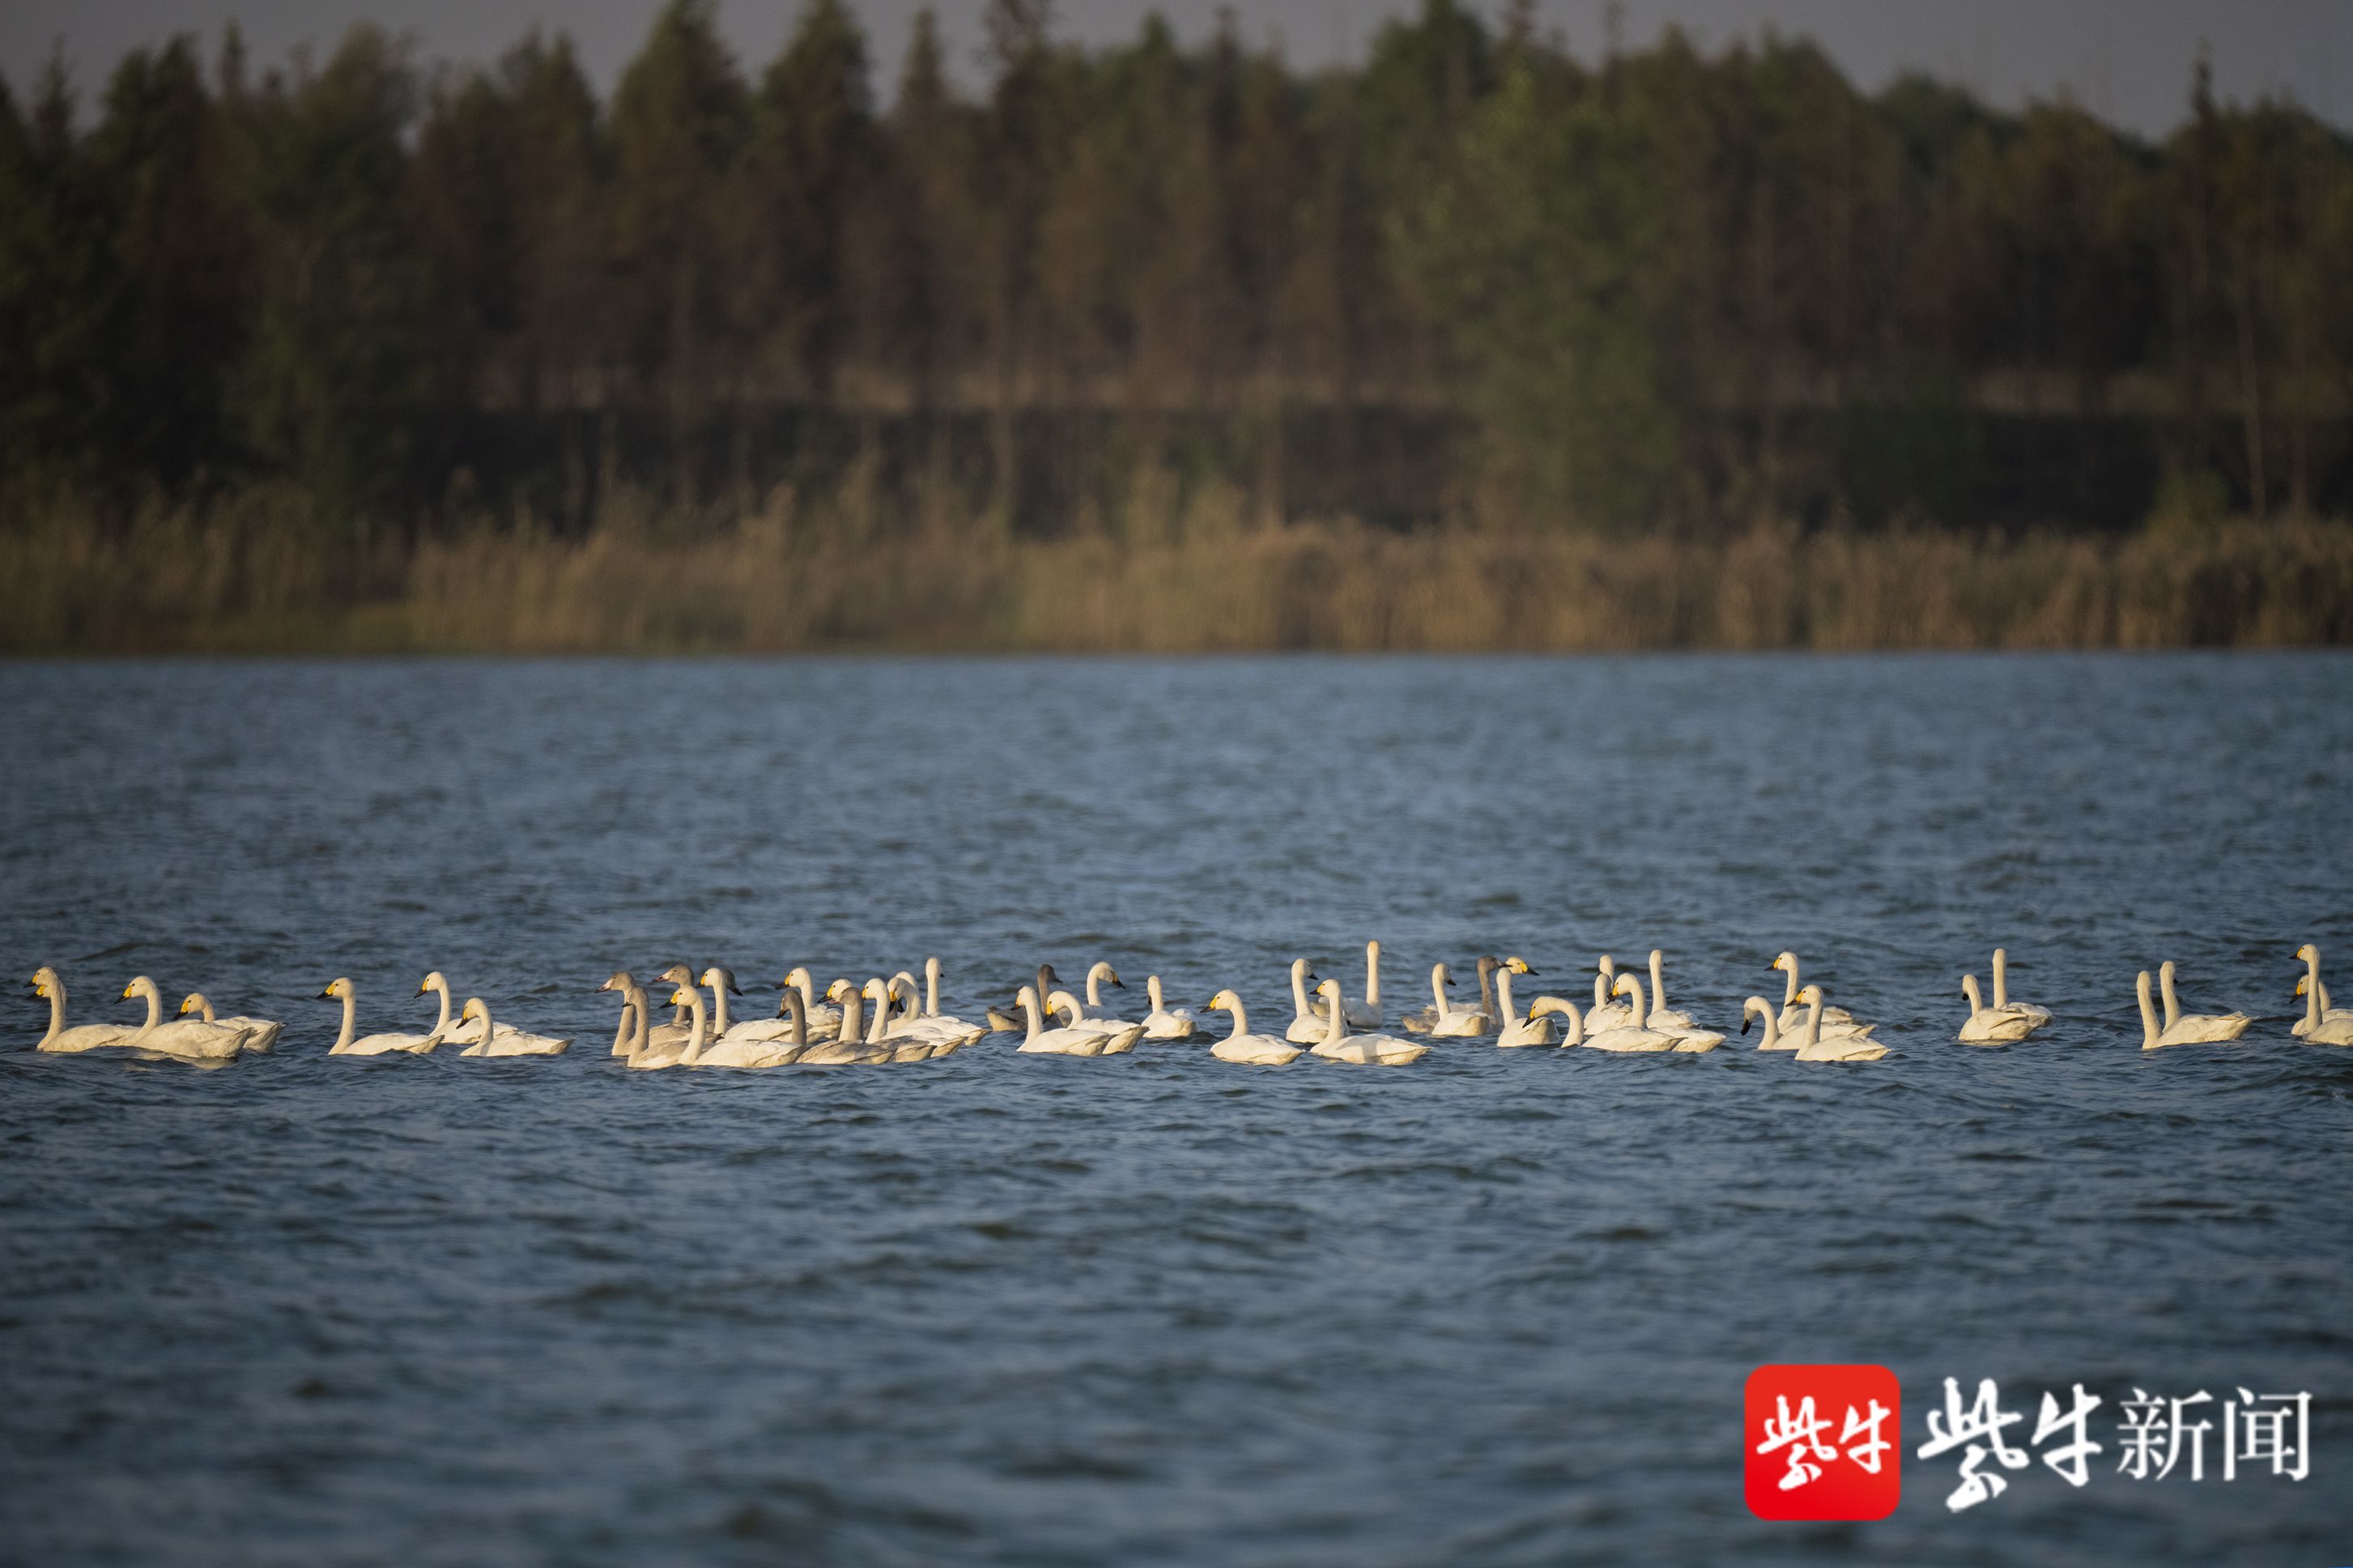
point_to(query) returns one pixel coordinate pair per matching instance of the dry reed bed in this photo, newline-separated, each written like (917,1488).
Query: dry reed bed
(241,579)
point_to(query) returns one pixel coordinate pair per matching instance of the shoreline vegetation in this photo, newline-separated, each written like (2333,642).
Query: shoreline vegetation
(239,580)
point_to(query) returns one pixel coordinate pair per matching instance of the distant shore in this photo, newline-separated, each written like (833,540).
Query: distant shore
(229,585)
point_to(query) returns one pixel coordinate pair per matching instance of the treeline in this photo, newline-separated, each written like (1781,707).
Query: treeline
(1471,280)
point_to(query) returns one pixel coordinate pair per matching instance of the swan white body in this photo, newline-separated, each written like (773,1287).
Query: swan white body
(1307,1025)
(490,1042)
(1813,1045)
(2321,1023)
(1662,1016)
(1514,1030)
(1243,1047)
(1444,1018)
(1039,1040)
(1361,1050)
(1122,1033)
(1835,1020)
(956,1032)
(189,1039)
(1606,1014)
(850,1046)
(341,990)
(2179,1031)
(1099,971)
(2318,1014)
(1367,1013)
(1629,1038)
(2001,1001)
(511,1042)
(644,1055)
(261,1033)
(82,1037)
(1547,1007)
(1994,1025)
(1164,1022)
(736,1050)
(2196,1028)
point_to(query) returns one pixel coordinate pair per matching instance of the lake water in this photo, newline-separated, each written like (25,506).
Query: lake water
(1496,1308)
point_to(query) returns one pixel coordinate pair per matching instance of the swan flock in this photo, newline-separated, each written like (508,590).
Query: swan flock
(898,1019)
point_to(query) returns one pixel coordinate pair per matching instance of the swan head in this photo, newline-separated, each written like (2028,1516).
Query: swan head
(1518,966)
(1812,995)
(336,990)
(1754,1008)
(722,979)
(836,990)
(1608,966)
(436,981)
(1787,962)
(677,999)
(1104,970)
(1969,989)
(1225,1002)
(193,1002)
(2303,984)
(1488,964)
(475,1008)
(2141,984)
(45,979)
(1328,989)
(677,974)
(800,979)
(2307,953)
(1622,986)
(619,980)
(143,988)
(2165,971)
(1300,970)
(1442,975)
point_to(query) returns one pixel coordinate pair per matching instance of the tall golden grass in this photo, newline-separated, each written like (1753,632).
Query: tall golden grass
(259,574)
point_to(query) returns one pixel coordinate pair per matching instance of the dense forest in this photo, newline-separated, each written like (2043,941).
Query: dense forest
(1475,283)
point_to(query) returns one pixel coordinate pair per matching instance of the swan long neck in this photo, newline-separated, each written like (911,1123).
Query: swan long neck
(1969,989)
(853,1018)
(641,1010)
(1757,1006)
(621,1034)
(1658,982)
(351,1020)
(1437,987)
(1299,988)
(1601,989)
(1373,975)
(1634,999)
(57,1013)
(698,1029)
(1503,999)
(1789,991)
(806,986)
(881,1024)
(1241,1021)
(931,988)
(2000,978)
(1152,992)
(154,1009)
(1487,989)
(718,1009)
(1576,1035)
(1338,1023)
(796,1011)
(2313,1010)
(2147,1012)
(1814,1035)
(1095,986)
(2172,1007)
(442,986)
(1030,1005)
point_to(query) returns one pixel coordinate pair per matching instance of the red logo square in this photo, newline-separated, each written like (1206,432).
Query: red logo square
(1823,1442)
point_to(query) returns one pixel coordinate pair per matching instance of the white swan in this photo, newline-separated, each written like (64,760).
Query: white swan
(1834,1019)
(947,1036)
(513,1042)
(1444,1018)
(2321,1023)
(2194,1028)
(733,1049)
(1063,1042)
(1511,1029)
(1629,1038)
(1097,973)
(1362,1051)
(1241,1045)
(1123,1032)
(1774,1040)
(82,1037)
(1993,1025)
(1367,1013)
(1606,1014)
(190,1039)
(850,1046)
(883,1029)
(261,1033)
(1307,1025)
(2001,1001)
(2316,1011)
(644,1053)
(1662,1015)
(746,1032)
(938,1022)
(341,990)
(1164,1022)
(1573,1033)
(2179,1031)
(488,1041)
(632,996)
(1813,1045)
(817,1017)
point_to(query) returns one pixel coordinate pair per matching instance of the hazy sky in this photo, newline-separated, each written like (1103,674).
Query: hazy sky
(2127,59)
